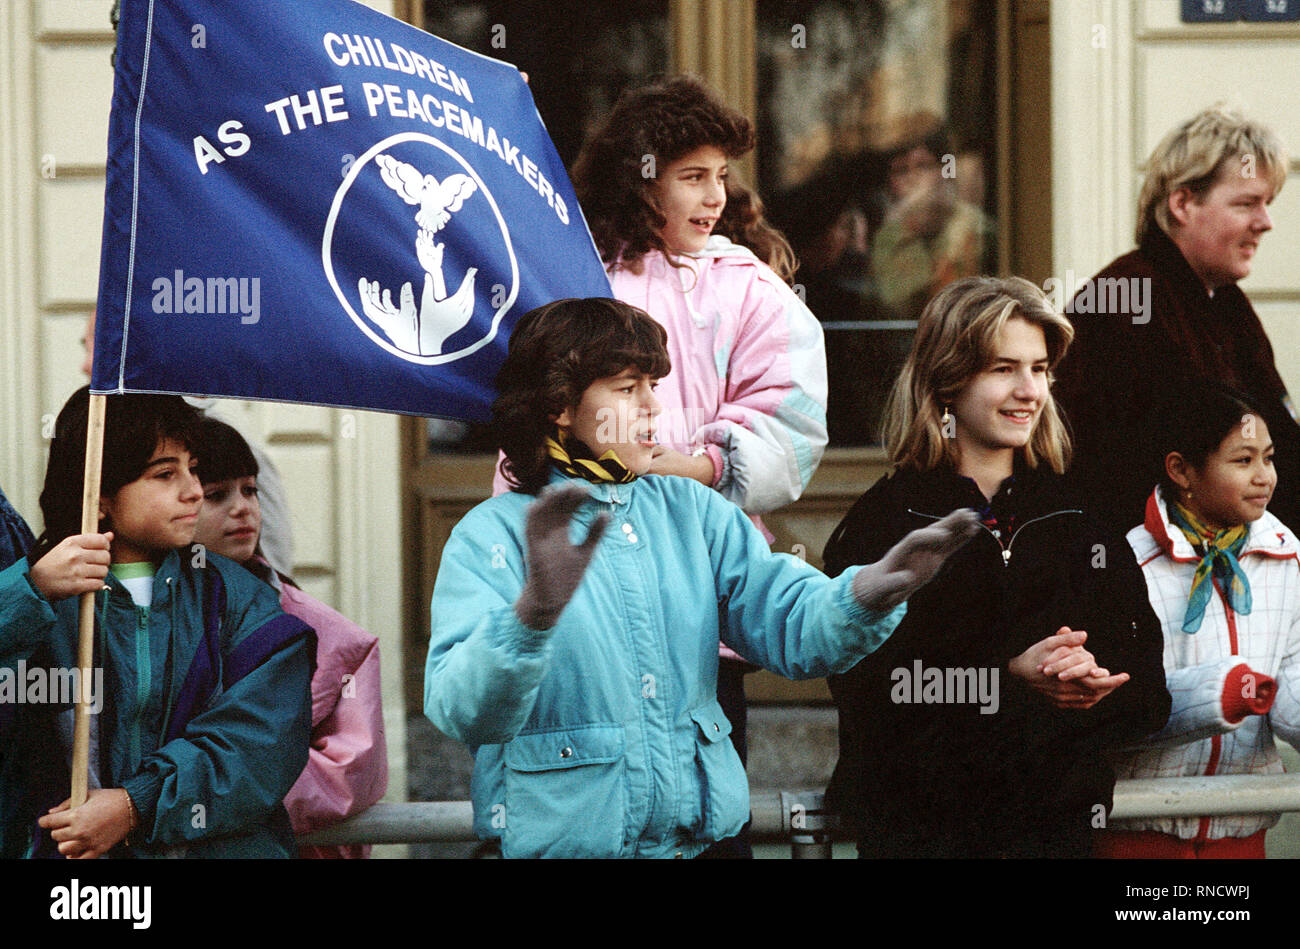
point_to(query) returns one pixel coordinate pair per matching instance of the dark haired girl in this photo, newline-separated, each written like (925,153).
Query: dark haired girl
(1224,579)
(584,676)
(348,767)
(744,409)
(203,707)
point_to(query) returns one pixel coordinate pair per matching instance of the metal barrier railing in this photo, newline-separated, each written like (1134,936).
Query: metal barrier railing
(797,816)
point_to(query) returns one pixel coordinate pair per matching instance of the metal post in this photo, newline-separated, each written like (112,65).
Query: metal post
(811,829)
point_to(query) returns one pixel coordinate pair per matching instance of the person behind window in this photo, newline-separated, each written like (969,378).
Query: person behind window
(929,236)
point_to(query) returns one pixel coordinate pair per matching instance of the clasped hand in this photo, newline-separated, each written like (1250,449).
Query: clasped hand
(1060,669)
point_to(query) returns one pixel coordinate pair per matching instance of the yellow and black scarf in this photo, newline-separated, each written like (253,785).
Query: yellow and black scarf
(573,457)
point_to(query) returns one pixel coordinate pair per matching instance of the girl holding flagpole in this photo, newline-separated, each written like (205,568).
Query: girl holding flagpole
(203,708)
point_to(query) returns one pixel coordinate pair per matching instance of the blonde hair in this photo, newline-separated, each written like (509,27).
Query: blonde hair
(1201,152)
(955,340)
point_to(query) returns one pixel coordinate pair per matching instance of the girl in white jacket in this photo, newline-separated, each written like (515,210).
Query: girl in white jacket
(1223,576)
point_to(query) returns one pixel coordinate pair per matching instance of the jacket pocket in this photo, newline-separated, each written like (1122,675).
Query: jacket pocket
(724,790)
(565,793)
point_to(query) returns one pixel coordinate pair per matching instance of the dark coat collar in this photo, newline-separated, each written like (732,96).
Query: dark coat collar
(940,490)
(1159,248)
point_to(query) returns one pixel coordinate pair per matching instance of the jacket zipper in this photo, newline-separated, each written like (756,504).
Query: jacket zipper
(1006,556)
(1216,741)
(142,679)
(1216,746)
(615,499)
(169,663)
(1006,548)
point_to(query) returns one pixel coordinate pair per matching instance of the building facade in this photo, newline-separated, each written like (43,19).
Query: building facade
(1077,93)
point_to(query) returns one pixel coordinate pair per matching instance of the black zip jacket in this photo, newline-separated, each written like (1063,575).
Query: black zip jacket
(924,772)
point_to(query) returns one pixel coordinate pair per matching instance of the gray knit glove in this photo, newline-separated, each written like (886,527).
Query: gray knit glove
(555,566)
(912,562)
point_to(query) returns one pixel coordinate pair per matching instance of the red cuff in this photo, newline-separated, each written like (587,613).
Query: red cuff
(1246,693)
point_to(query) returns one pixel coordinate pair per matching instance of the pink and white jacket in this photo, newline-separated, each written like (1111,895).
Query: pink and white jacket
(748,380)
(347,768)
(1218,673)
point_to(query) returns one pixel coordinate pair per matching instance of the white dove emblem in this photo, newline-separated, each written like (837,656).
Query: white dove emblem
(439,315)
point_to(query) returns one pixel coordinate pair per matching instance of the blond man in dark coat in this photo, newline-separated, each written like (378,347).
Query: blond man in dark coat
(1161,321)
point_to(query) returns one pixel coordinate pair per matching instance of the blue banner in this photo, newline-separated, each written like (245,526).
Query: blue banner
(314,202)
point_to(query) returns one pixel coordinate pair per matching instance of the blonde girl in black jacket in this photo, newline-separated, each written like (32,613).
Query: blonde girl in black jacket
(981,727)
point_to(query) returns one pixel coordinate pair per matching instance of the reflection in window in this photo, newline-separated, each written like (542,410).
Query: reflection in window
(579,57)
(876,132)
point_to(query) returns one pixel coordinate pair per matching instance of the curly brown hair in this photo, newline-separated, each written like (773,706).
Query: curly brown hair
(649,128)
(556,351)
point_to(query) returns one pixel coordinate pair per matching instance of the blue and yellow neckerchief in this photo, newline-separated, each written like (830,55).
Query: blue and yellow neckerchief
(573,457)
(1218,551)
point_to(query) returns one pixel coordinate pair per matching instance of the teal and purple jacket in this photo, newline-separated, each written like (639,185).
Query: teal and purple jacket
(205,717)
(15,536)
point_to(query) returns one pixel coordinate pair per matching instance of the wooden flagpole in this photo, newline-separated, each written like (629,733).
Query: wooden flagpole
(86,623)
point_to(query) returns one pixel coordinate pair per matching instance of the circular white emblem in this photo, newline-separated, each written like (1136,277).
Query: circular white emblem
(417,298)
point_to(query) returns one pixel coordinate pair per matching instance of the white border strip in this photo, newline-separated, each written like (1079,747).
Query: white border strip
(135,199)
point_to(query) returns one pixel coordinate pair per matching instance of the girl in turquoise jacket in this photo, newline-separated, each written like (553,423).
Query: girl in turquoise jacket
(200,684)
(575,629)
